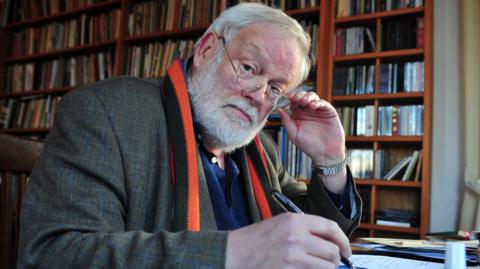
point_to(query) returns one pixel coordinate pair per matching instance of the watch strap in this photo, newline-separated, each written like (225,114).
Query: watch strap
(330,170)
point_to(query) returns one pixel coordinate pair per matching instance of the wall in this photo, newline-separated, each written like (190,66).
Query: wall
(470,20)
(447,146)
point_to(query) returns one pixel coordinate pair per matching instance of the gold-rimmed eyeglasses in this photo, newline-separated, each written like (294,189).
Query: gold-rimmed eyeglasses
(249,80)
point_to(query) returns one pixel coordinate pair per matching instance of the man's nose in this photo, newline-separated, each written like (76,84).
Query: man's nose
(256,92)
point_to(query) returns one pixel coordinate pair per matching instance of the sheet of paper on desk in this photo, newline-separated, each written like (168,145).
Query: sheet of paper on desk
(413,243)
(385,262)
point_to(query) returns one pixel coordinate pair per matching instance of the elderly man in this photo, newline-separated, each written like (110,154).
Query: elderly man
(177,173)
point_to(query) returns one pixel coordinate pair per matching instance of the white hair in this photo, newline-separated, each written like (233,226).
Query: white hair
(235,19)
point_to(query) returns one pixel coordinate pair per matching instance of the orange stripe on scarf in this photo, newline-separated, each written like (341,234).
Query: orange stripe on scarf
(193,203)
(260,197)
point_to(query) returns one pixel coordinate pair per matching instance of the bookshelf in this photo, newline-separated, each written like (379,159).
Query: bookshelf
(356,38)
(135,30)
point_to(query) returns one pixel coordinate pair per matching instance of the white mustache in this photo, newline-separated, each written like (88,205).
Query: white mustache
(246,107)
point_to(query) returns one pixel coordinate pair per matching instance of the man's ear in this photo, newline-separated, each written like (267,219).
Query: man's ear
(205,49)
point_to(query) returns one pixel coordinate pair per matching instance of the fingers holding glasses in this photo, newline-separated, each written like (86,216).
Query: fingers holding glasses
(309,103)
(305,99)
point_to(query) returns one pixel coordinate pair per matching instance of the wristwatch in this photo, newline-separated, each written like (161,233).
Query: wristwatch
(330,170)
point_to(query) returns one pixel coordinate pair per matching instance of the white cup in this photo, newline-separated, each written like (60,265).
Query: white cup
(455,257)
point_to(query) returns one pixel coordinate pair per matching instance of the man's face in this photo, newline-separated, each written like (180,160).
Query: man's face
(231,110)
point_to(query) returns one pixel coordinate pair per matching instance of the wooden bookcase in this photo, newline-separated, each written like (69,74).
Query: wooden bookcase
(412,194)
(380,193)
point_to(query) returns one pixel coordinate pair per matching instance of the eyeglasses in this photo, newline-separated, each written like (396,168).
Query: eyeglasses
(247,79)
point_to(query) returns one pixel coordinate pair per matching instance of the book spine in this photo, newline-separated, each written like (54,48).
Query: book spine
(420,32)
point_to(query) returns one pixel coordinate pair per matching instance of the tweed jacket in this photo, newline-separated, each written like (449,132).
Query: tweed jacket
(101,195)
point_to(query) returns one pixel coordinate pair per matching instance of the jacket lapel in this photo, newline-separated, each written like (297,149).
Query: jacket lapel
(252,203)
(207,217)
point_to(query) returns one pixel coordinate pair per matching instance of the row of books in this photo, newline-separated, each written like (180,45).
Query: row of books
(402,34)
(28,112)
(159,15)
(309,26)
(59,73)
(360,162)
(387,164)
(354,7)
(281,4)
(20,10)
(295,162)
(394,77)
(312,29)
(397,218)
(348,80)
(404,165)
(400,120)
(357,120)
(353,40)
(153,59)
(398,77)
(395,35)
(83,30)
(391,121)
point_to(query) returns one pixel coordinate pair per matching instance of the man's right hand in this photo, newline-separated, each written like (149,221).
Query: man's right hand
(287,241)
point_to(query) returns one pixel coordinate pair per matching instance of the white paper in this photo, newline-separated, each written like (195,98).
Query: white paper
(385,262)
(412,243)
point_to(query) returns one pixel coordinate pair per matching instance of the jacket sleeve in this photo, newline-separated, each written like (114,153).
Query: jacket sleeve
(312,198)
(75,207)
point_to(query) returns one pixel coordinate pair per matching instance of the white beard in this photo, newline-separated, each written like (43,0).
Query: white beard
(218,128)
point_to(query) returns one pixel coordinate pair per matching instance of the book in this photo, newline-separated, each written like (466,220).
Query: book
(395,120)
(393,223)
(411,165)
(397,168)
(419,167)
(370,39)
(420,35)
(384,78)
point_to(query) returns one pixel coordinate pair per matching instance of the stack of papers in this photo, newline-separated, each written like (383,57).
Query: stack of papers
(410,243)
(415,250)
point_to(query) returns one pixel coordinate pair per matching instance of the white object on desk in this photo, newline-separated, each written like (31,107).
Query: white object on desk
(455,258)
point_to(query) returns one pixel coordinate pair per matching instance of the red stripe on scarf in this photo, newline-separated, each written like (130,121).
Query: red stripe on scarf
(193,203)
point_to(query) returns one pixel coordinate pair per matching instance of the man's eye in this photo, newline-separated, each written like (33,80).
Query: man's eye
(246,69)
(275,91)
